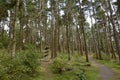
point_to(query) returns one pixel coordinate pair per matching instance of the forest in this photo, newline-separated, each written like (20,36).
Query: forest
(59,39)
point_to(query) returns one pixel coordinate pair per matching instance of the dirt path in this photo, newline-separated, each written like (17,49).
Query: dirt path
(105,73)
(45,65)
(46,70)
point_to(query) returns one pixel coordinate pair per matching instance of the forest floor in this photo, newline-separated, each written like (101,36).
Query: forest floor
(97,71)
(77,63)
(105,73)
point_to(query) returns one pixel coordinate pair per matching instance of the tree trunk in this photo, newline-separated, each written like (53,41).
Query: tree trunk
(20,41)
(67,29)
(14,30)
(84,34)
(117,41)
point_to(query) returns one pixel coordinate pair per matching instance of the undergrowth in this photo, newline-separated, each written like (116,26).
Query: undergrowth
(23,66)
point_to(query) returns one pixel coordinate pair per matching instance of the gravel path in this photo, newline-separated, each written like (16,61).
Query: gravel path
(105,73)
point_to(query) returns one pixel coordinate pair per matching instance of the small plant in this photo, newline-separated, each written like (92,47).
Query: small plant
(81,75)
(59,64)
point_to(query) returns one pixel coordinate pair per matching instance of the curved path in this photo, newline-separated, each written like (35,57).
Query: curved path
(105,73)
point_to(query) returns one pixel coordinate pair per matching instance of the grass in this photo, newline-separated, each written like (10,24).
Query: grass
(92,73)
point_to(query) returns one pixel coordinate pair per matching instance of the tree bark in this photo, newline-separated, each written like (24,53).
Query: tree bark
(14,30)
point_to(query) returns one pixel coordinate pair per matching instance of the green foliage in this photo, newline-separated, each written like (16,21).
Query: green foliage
(31,60)
(65,76)
(4,6)
(81,76)
(104,56)
(22,67)
(1,45)
(59,64)
(92,73)
(28,47)
(4,41)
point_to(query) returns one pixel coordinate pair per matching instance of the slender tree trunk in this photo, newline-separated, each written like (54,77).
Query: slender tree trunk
(67,29)
(20,41)
(53,44)
(10,32)
(58,25)
(84,34)
(111,44)
(14,30)
(3,31)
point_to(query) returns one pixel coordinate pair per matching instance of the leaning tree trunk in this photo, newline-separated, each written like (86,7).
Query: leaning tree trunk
(116,37)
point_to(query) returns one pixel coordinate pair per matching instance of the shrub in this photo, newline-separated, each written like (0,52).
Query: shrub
(4,41)
(31,60)
(59,64)
(28,47)
(22,66)
(1,45)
